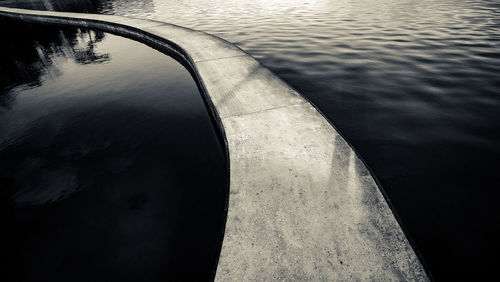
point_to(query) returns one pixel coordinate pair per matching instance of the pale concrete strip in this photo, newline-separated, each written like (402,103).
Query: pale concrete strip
(302,205)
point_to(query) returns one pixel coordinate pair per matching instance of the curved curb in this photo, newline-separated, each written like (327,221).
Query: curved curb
(302,205)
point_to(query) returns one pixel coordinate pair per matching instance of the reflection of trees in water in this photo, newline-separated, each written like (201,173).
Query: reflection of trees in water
(27,53)
(88,6)
(87,55)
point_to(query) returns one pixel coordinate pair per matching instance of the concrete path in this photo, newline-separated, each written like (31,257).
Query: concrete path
(302,205)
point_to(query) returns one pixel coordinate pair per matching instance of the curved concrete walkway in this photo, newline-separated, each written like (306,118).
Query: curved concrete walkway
(302,205)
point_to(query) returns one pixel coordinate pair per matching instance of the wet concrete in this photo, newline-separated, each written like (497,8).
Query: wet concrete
(302,205)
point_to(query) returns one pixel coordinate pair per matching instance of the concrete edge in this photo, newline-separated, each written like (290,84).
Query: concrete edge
(108,24)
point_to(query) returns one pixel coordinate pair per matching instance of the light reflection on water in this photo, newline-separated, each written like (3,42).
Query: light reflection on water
(413,85)
(110,167)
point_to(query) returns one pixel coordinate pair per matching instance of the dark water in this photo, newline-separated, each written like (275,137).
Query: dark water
(413,85)
(110,167)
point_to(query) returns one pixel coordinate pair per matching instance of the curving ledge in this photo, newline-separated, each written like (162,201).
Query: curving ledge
(302,205)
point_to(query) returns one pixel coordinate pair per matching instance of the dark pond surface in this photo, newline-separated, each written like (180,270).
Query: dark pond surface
(413,85)
(111,169)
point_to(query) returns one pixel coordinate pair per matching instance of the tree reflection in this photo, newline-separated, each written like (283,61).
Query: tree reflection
(88,55)
(27,52)
(82,6)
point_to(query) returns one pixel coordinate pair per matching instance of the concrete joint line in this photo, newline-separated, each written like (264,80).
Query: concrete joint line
(201,61)
(265,110)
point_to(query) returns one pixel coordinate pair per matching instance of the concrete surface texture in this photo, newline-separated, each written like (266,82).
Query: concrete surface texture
(302,205)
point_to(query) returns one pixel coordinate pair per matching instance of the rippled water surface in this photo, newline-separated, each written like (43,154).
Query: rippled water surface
(109,170)
(413,85)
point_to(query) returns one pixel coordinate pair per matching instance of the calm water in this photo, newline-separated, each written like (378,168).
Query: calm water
(413,85)
(109,171)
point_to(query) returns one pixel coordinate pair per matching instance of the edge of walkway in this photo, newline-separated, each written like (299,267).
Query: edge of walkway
(302,204)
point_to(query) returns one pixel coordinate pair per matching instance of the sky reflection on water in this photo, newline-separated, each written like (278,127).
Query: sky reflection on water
(111,169)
